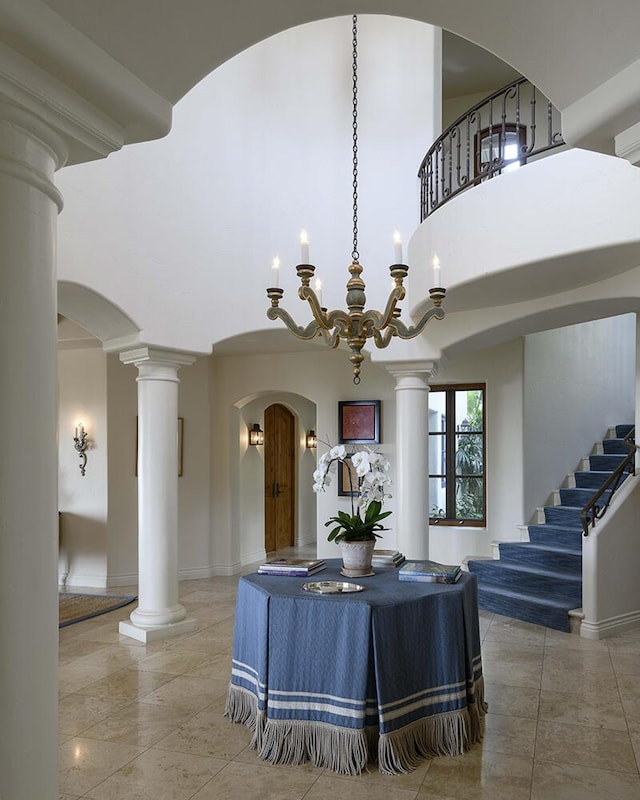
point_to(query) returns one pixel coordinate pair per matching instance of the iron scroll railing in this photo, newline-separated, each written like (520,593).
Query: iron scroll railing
(505,130)
(595,509)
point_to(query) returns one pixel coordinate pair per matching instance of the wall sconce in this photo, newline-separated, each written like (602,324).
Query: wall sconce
(81,442)
(312,439)
(256,434)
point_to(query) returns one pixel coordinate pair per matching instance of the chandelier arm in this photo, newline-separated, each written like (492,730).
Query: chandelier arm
(409,332)
(308,294)
(382,338)
(310,331)
(332,340)
(381,321)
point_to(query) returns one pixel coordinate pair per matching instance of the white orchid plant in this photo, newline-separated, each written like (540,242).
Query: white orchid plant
(367,497)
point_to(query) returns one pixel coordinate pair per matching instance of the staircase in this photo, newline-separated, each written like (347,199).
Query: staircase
(540,581)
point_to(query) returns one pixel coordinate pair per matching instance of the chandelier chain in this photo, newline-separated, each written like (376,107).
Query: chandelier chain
(355,255)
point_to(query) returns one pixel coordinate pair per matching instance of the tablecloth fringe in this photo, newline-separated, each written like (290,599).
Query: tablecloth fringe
(342,750)
(447,734)
(241,706)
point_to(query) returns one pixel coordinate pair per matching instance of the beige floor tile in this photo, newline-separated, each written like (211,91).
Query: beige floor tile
(587,709)
(76,712)
(410,780)
(479,774)
(120,655)
(158,775)
(218,666)
(212,640)
(515,701)
(74,676)
(189,693)
(514,630)
(171,662)
(571,641)
(84,763)
(514,736)
(497,650)
(578,660)
(208,733)
(629,688)
(68,797)
(139,723)
(72,649)
(560,782)
(238,780)
(511,673)
(342,788)
(589,747)
(626,643)
(626,663)
(128,684)
(581,683)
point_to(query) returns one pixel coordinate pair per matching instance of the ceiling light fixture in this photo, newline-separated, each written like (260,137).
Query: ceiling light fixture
(356,325)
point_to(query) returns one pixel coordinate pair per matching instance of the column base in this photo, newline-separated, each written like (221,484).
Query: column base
(154,633)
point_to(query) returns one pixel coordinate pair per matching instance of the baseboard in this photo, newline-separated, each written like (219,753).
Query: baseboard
(256,557)
(123,580)
(613,626)
(77,581)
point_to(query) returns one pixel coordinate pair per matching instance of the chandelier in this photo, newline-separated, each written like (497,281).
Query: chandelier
(356,325)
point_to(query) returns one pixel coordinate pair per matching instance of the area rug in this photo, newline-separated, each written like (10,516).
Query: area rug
(78,607)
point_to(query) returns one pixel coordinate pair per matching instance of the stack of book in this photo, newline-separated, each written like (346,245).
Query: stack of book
(430,572)
(296,567)
(387,558)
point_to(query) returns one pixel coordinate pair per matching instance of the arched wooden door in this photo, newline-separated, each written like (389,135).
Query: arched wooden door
(279,477)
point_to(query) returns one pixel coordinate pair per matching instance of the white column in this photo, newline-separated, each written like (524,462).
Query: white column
(29,206)
(411,489)
(159,615)
(637,408)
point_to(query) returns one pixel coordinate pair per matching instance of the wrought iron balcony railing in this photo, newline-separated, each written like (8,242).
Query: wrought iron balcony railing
(502,132)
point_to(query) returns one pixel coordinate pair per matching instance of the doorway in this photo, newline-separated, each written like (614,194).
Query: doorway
(279,477)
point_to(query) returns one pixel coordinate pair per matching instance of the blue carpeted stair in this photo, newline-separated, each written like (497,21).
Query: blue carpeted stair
(540,581)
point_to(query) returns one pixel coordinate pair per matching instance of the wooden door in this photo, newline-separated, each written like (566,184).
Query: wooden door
(279,474)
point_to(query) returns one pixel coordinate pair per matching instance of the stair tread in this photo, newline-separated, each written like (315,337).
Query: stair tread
(498,563)
(562,530)
(547,548)
(536,599)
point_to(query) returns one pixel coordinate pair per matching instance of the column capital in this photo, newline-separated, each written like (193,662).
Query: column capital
(156,357)
(412,374)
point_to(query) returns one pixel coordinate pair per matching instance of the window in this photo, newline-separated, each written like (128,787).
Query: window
(498,150)
(456,454)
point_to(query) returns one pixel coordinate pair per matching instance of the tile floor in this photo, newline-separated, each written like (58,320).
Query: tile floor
(146,722)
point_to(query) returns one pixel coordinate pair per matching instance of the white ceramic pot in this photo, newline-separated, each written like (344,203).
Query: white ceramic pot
(356,558)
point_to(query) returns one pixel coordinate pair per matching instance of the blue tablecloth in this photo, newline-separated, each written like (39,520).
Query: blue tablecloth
(391,674)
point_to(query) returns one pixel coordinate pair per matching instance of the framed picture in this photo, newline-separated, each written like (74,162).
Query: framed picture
(359,422)
(180,433)
(347,479)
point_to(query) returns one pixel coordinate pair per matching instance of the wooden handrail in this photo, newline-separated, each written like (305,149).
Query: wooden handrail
(592,511)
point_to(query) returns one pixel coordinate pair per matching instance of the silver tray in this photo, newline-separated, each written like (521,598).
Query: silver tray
(332,587)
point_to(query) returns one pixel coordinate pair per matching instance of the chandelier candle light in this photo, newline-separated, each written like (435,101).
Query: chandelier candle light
(356,325)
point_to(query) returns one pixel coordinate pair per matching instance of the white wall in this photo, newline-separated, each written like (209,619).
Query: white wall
(319,376)
(501,368)
(579,381)
(83,500)
(194,556)
(259,149)
(610,566)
